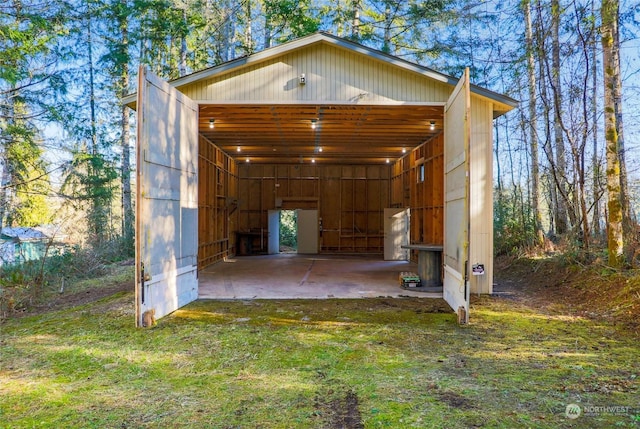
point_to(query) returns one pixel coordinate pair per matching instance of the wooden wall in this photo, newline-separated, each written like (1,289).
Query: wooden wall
(418,183)
(350,201)
(217,203)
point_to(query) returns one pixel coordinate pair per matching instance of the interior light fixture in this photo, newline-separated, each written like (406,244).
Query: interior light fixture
(211,121)
(320,149)
(388,160)
(313,160)
(247,160)
(432,125)
(238,149)
(313,124)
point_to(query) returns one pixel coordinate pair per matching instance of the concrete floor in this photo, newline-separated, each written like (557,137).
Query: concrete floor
(290,276)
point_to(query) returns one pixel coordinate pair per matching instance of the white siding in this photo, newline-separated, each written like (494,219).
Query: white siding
(481,193)
(333,75)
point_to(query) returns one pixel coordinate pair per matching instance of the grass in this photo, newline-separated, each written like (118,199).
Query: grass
(19,292)
(315,364)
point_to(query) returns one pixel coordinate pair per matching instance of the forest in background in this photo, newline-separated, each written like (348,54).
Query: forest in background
(567,168)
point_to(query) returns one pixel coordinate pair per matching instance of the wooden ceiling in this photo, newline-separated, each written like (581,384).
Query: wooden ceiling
(343,134)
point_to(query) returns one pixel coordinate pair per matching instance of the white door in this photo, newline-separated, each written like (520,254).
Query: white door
(308,231)
(273,237)
(396,234)
(456,197)
(167,198)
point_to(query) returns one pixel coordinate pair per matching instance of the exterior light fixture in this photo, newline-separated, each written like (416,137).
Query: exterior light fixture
(388,160)
(313,160)
(320,149)
(432,125)
(404,150)
(247,160)
(211,121)
(314,123)
(238,149)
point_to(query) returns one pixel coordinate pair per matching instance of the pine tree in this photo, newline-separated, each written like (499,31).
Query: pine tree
(30,83)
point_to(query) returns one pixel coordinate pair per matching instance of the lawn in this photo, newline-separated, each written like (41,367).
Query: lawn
(393,363)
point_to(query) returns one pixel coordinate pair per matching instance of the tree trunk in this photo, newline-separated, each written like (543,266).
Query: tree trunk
(533,122)
(125,168)
(386,44)
(615,238)
(561,168)
(594,118)
(4,191)
(547,147)
(248,32)
(92,97)
(182,68)
(355,25)
(627,219)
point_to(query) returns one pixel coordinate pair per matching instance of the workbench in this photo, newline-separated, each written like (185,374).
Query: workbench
(429,263)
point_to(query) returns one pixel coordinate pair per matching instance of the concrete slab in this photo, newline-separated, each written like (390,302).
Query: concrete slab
(293,276)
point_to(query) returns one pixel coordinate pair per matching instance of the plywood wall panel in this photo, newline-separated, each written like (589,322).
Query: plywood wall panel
(360,194)
(346,195)
(217,203)
(295,187)
(360,223)
(268,193)
(254,193)
(350,207)
(375,222)
(346,223)
(330,204)
(424,198)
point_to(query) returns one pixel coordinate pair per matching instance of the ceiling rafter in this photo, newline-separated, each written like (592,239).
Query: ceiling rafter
(347,134)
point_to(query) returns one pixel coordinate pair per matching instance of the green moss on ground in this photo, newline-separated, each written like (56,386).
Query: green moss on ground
(316,364)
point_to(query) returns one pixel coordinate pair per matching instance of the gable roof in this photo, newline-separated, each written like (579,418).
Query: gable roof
(322,37)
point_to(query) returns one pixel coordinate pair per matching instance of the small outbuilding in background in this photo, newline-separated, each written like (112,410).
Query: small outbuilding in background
(21,244)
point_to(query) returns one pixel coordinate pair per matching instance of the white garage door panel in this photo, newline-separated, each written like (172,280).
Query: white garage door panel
(167,196)
(456,201)
(308,232)
(396,234)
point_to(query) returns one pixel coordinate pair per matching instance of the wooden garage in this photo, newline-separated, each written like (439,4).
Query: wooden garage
(348,136)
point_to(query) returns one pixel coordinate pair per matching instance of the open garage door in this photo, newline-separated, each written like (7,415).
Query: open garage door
(456,198)
(396,234)
(308,232)
(167,198)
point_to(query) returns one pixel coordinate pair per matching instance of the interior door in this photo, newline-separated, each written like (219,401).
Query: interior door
(396,234)
(273,237)
(308,231)
(456,199)
(167,198)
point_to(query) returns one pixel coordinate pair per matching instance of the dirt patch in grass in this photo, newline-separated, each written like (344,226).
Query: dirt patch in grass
(80,298)
(555,286)
(79,293)
(338,409)
(455,400)
(73,299)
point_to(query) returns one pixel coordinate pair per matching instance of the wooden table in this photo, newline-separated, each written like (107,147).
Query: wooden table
(429,263)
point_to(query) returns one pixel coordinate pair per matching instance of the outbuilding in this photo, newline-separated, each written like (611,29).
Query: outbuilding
(377,155)
(21,244)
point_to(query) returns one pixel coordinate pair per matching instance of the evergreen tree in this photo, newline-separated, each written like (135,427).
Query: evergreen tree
(30,83)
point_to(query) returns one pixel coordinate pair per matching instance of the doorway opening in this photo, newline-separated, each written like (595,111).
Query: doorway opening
(288,231)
